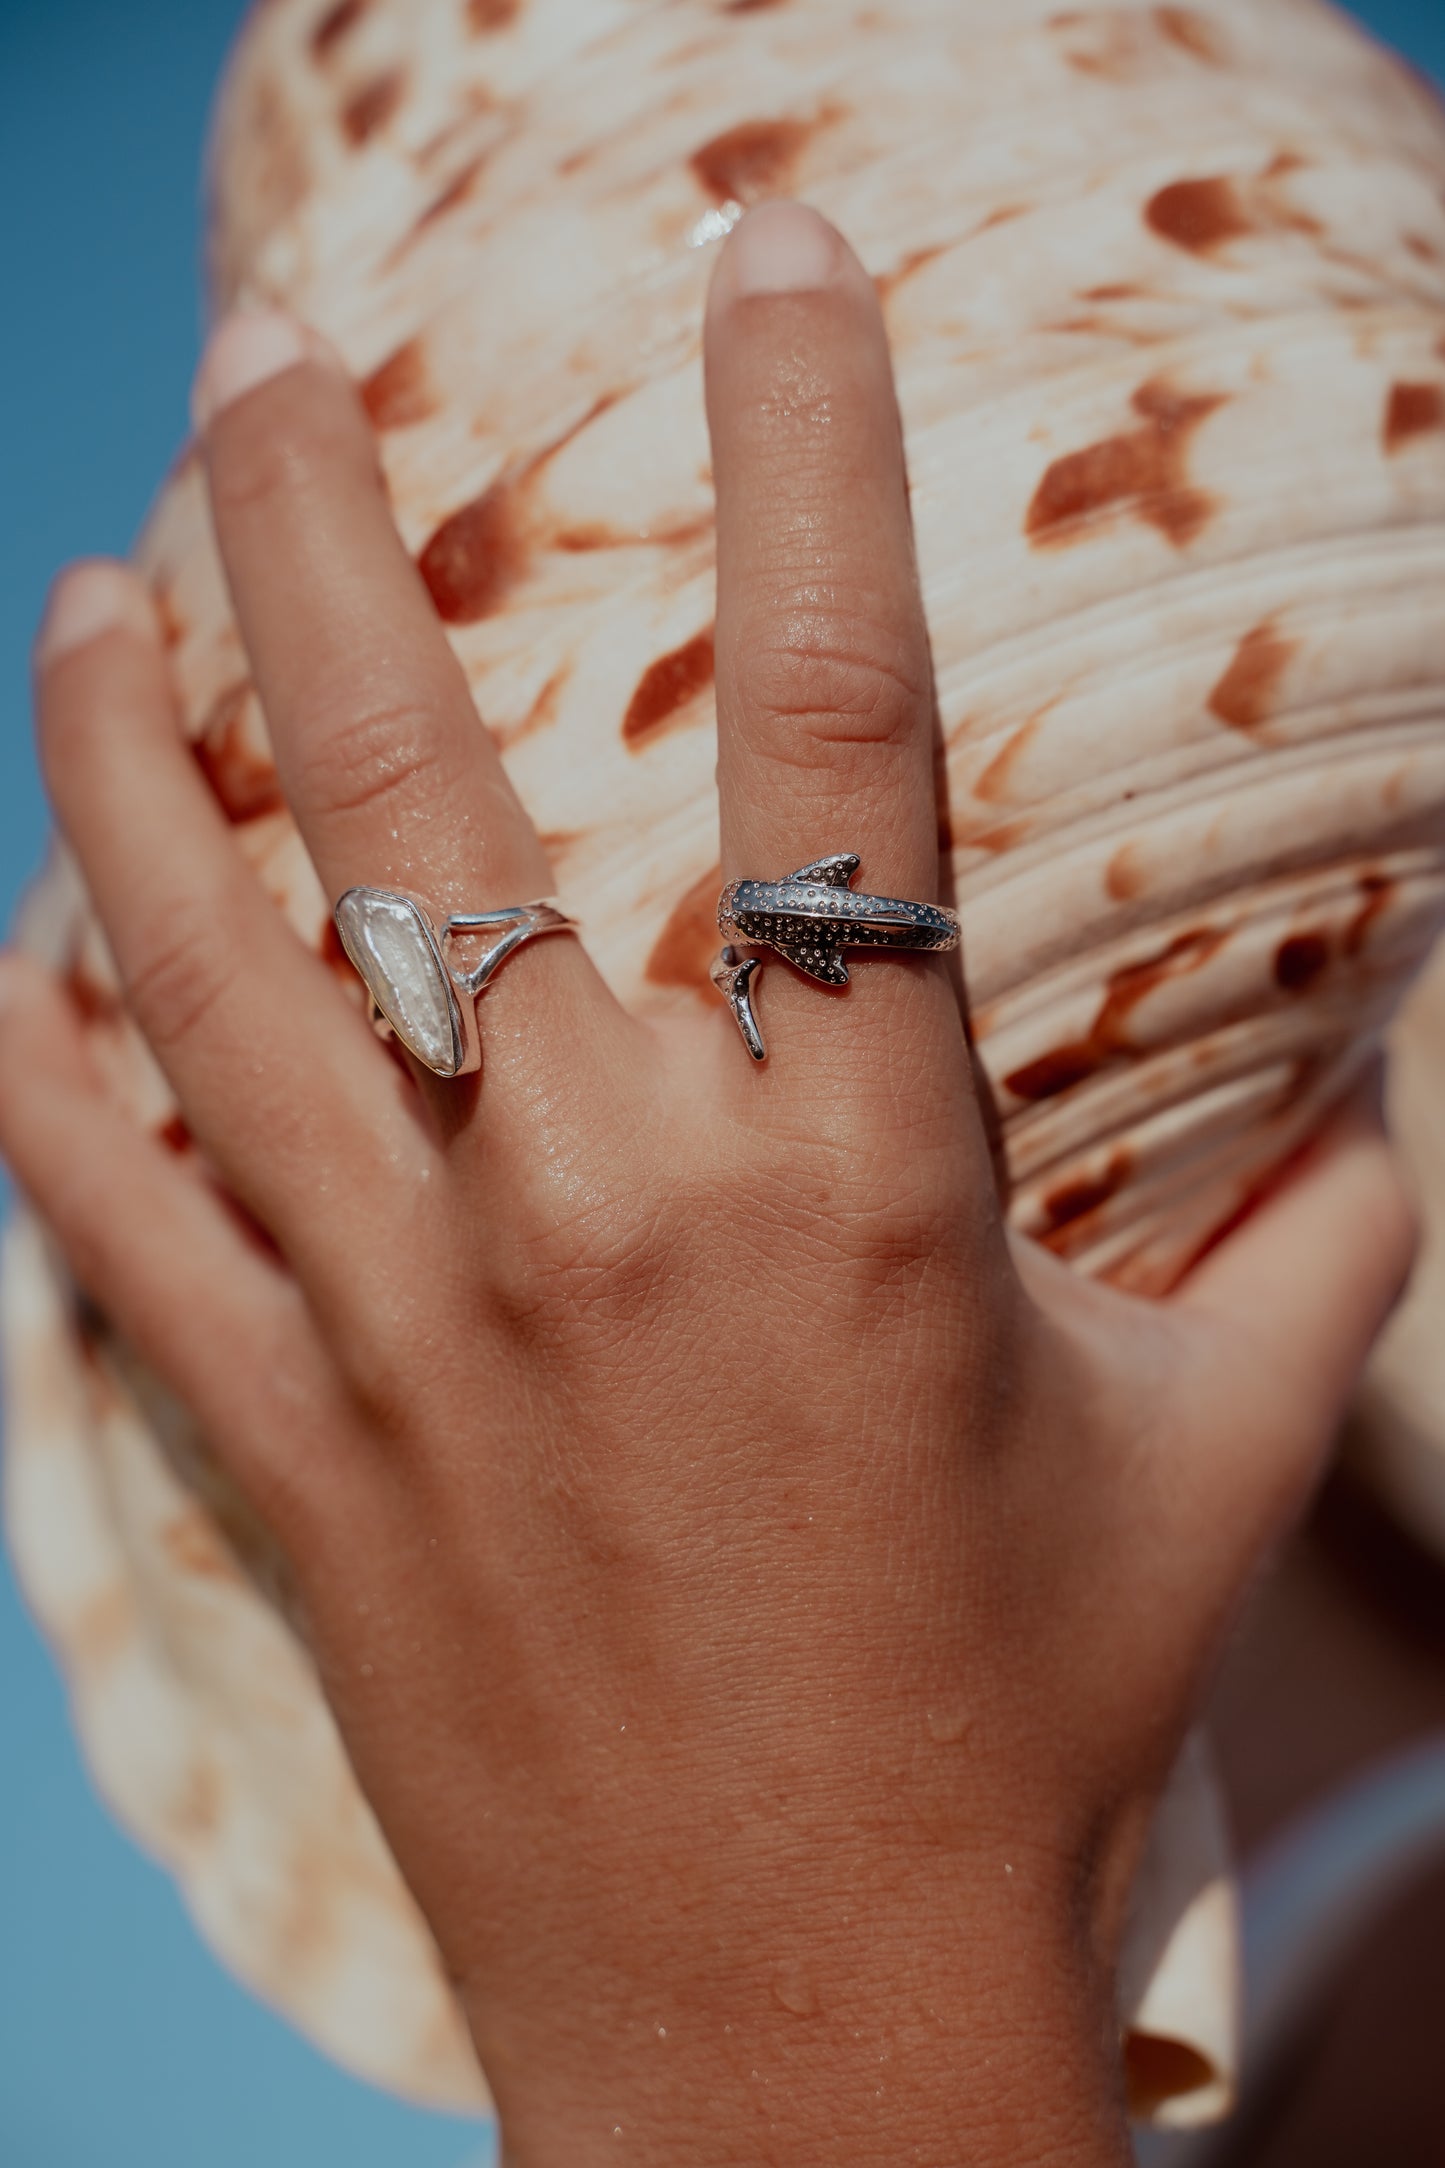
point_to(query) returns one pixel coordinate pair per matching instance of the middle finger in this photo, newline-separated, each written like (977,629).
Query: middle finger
(825,690)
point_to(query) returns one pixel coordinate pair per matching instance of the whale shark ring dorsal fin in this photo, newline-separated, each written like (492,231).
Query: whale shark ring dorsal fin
(828,970)
(831,872)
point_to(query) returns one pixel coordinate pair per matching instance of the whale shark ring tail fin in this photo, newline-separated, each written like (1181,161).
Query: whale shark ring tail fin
(733,976)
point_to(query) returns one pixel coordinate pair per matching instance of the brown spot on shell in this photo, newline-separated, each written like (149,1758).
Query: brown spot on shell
(175,1134)
(192,1542)
(172,624)
(1198,215)
(1376,894)
(1194,34)
(1124,877)
(92,1000)
(1299,960)
(1413,410)
(1157,2069)
(542,712)
(335,24)
(102,1628)
(1123,44)
(752,161)
(1107,1040)
(1143,471)
(198,1810)
(683,952)
(1113,293)
(1000,837)
(242,776)
(887,283)
(1077,1199)
(994,783)
(468,101)
(1245,695)
(476,557)
(456,191)
(399,393)
(1101,327)
(479,555)
(667,688)
(1420,244)
(371,107)
(485,16)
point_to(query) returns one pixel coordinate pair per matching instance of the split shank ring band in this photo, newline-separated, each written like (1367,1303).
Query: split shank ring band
(810,917)
(402,952)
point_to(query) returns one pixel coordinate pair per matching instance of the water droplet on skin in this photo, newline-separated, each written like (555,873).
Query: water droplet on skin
(949,1726)
(367,1670)
(795,1991)
(661,2031)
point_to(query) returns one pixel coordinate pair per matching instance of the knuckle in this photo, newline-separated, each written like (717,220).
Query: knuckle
(182,973)
(885,1227)
(831,680)
(364,755)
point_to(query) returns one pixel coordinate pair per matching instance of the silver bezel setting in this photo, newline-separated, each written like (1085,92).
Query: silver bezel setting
(519,923)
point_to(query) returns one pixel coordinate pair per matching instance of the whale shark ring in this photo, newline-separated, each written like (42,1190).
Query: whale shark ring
(810,917)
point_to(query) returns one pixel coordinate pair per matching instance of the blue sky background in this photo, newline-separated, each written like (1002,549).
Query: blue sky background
(122,2044)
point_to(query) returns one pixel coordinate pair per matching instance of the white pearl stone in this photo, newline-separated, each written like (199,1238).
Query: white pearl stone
(387,939)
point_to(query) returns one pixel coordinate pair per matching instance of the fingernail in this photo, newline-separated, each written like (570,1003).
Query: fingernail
(782,248)
(88,599)
(244,351)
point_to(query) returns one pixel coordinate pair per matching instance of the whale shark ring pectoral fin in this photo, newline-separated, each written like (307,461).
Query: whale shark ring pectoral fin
(828,970)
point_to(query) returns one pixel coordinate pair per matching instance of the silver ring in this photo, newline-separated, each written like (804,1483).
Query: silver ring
(401,952)
(810,917)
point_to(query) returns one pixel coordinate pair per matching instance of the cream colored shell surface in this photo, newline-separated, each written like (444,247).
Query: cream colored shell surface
(1166,287)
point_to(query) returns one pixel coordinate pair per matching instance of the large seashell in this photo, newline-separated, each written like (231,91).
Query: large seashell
(1166,287)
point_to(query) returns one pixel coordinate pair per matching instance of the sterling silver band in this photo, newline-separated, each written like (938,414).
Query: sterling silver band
(810,917)
(403,955)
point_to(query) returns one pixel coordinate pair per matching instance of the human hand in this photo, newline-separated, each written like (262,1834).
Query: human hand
(761,1601)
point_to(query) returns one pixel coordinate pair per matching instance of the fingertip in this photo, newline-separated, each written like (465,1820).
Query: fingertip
(781,248)
(92,597)
(246,350)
